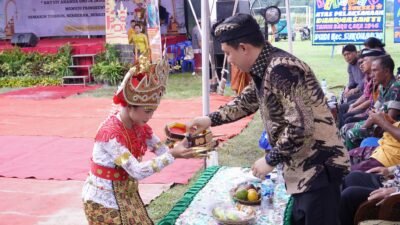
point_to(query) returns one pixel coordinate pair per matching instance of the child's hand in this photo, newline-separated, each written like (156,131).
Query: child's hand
(181,151)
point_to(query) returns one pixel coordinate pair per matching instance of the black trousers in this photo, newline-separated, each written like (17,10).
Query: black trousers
(343,114)
(356,188)
(319,207)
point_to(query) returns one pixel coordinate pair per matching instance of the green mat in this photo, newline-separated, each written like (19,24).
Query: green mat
(187,198)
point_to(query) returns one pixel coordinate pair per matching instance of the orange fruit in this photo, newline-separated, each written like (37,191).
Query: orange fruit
(252,195)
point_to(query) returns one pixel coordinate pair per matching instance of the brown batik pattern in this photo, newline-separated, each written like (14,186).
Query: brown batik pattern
(295,114)
(131,206)
(97,214)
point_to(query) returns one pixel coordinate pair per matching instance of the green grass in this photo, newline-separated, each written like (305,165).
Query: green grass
(161,206)
(334,70)
(180,86)
(4,90)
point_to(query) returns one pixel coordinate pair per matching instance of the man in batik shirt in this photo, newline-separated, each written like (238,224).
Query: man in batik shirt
(295,114)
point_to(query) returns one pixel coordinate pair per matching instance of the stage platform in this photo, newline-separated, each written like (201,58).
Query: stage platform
(51,45)
(79,45)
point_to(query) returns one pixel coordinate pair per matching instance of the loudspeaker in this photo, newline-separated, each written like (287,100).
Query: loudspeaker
(24,39)
(224,10)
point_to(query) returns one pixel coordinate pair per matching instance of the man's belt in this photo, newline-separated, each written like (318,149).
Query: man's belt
(108,173)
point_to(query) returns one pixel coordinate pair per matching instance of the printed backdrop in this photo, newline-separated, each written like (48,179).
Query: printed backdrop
(348,21)
(48,18)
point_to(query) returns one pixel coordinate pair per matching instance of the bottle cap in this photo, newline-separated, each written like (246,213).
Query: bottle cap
(268,176)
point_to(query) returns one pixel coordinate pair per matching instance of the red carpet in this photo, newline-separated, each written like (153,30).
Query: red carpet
(52,139)
(34,202)
(49,202)
(47,92)
(68,158)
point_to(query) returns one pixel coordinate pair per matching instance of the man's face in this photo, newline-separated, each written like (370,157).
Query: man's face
(133,25)
(365,65)
(379,74)
(350,57)
(236,57)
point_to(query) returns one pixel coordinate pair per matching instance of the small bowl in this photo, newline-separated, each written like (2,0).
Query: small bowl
(232,192)
(223,214)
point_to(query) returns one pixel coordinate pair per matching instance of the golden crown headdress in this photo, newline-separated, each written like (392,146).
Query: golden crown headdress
(144,84)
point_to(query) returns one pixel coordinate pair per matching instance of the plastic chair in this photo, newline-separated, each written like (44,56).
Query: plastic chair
(171,55)
(180,51)
(188,65)
(388,210)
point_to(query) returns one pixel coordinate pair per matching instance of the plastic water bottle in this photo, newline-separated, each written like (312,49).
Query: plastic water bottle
(267,198)
(324,86)
(280,195)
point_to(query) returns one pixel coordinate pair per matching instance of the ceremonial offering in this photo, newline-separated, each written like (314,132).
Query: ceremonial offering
(247,193)
(233,215)
(177,132)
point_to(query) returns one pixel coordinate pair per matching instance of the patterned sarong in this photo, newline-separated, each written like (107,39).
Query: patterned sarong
(131,207)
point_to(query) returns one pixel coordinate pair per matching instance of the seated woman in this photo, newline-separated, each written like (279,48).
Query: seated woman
(388,152)
(110,193)
(360,186)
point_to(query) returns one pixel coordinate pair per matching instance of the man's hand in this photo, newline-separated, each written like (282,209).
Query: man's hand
(261,168)
(379,170)
(381,193)
(198,124)
(345,91)
(350,92)
(351,108)
(377,118)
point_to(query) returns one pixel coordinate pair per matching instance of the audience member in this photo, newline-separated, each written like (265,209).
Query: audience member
(374,43)
(239,79)
(388,99)
(388,152)
(355,85)
(196,44)
(360,186)
(350,112)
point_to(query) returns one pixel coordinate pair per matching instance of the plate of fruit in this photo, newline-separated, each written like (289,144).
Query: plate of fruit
(247,193)
(233,215)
